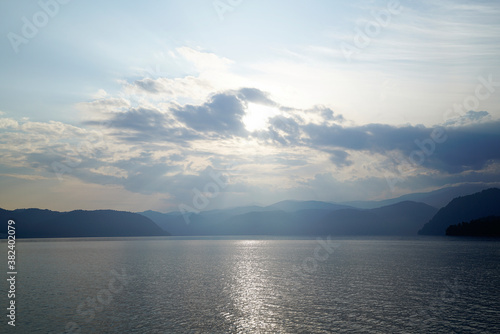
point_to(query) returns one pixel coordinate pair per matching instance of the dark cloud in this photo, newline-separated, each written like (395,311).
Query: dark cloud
(470,147)
(146,125)
(222,116)
(335,136)
(139,119)
(340,158)
(327,114)
(284,130)
(451,149)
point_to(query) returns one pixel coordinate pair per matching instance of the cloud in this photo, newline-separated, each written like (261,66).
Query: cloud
(468,118)
(255,95)
(143,124)
(470,33)
(103,105)
(151,178)
(470,147)
(139,119)
(221,116)
(340,158)
(472,141)
(206,73)
(6,123)
(284,130)
(328,115)
(170,149)
(149,85)
(466,147)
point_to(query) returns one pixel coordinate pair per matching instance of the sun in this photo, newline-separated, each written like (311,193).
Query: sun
(257,116)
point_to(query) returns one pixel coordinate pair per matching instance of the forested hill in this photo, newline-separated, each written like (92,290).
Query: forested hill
(482,227)
(463,209)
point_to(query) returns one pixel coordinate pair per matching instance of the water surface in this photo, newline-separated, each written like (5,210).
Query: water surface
(258,285)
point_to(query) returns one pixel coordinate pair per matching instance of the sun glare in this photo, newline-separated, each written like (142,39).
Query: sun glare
(257,116)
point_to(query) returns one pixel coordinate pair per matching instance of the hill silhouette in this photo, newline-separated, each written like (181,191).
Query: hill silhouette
(295,218)
(465,208)
(483,227)
(294,206)
(404,218)
(36,223)
(309,218)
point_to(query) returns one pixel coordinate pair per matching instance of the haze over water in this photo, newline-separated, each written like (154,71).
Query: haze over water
(259,285)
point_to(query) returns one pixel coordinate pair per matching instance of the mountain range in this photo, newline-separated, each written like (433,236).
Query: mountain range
(402,218)
(293,218)
(436,198)
(303,218)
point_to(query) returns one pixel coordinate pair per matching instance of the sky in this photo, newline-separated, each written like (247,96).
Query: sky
(201,104)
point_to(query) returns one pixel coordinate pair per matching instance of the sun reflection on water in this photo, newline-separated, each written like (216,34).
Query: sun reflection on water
(251,289)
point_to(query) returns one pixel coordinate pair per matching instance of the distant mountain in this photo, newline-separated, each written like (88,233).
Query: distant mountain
(255,223)
(238,210)
(36,223)
(219,221)
(482,227)
(466,208)
(174,222)
(293,206)
(437,198)
(403,218)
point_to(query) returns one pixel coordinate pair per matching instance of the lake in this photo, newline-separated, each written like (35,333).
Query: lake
(257,285)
